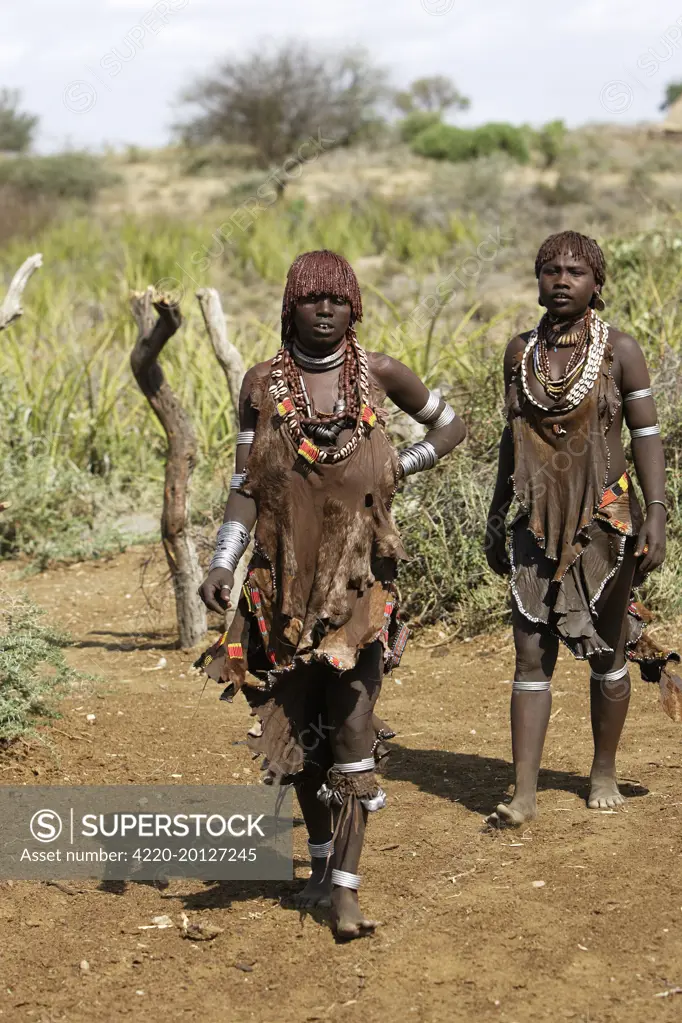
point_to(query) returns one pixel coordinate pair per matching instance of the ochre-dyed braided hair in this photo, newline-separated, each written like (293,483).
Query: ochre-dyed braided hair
(578,245)
(319,273)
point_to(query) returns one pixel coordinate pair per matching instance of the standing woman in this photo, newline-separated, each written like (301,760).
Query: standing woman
(317,622)
(580,534)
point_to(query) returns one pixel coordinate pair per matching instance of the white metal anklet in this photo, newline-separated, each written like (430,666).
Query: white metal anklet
(343,879)
(368,764)
(321,851)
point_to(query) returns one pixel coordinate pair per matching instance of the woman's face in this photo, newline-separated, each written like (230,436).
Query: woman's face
(566,285)
(321,322)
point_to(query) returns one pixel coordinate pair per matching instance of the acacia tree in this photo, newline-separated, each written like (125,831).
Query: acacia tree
(274,100)
(431,95)
(16,128)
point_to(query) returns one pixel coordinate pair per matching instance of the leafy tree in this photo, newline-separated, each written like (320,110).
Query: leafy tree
(435,94)
(276,100)
(16,128)
(673,92)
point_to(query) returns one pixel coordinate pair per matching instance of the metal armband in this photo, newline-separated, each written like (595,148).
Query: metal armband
(417,458)
(233,539)
(431,417)
(645,431)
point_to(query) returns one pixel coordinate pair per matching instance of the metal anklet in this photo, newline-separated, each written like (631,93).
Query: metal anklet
(531,687)
(368,764)
(612,676)
(343,879)
(321,851)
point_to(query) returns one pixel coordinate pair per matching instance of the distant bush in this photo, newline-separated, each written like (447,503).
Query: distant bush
(63,176)
(416,123)
(550,141)
(16,128)
(501,138)
(445,142)
(438,141)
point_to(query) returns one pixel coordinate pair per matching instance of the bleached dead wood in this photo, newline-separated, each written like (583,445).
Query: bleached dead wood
(227,355)
(11,309)
(182,447)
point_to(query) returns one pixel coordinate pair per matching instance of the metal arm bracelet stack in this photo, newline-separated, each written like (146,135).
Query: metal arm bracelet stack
(431,417)
(233,539)
(417,457)
(421,456)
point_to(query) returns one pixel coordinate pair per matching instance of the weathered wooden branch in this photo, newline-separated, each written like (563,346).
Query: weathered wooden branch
(182,447)
(227,355)
(11,310)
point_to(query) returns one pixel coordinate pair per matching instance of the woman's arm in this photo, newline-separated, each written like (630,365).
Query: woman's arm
(445,429)
(639,412)
(240,511)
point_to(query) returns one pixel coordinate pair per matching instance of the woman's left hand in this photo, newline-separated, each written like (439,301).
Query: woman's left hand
(651,536)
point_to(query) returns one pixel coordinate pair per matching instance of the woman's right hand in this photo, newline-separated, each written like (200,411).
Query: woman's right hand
(216,589)
(496,549)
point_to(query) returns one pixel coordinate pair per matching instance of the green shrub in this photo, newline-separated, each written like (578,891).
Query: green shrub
(33,670)
(550,141)
(64,176)
(445,142)
(416,123)
(501,138)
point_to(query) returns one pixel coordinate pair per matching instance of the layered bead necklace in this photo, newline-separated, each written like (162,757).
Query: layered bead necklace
(296,409)
(583,367)
(548,334)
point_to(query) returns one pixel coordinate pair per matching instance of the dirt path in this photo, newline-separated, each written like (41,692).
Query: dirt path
(467,934)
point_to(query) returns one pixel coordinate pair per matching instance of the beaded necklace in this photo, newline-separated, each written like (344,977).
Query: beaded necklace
(546,337)
(294,406)
(583,378)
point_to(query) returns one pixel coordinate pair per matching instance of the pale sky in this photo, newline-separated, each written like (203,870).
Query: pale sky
(108,71)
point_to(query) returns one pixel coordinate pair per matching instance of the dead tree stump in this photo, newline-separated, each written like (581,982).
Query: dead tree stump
(182,447)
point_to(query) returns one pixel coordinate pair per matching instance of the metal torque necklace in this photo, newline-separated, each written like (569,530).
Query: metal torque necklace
(352,407)
(318,362)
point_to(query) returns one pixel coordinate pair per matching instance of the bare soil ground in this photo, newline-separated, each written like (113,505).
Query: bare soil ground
(468,933)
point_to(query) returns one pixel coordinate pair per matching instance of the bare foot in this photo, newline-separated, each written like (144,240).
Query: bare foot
(514,814)
(604,791)
(347,919)
(318,888)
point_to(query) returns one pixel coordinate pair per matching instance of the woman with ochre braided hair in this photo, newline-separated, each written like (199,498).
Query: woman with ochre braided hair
(580,539)
(317,623)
